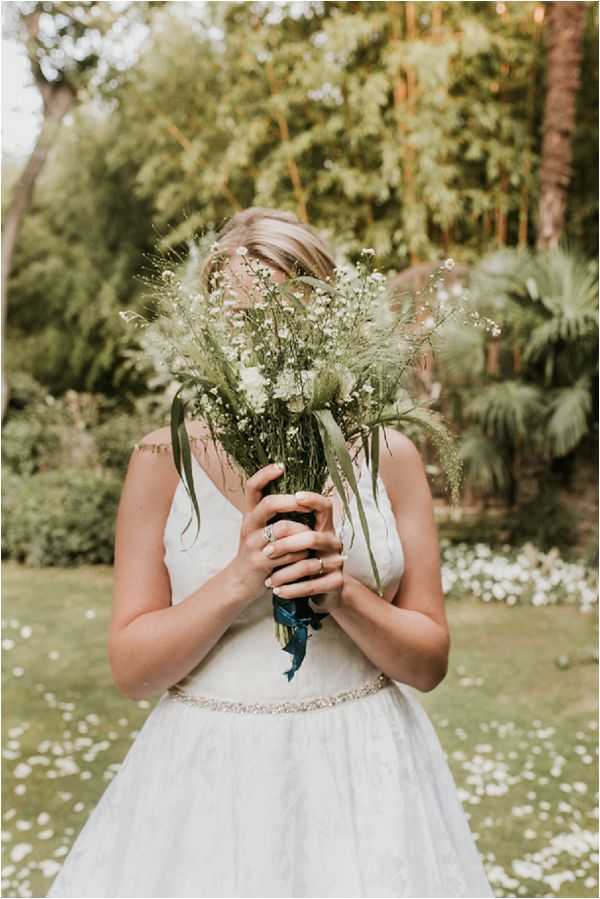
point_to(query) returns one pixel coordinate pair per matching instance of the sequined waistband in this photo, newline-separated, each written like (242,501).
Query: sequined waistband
(301,705)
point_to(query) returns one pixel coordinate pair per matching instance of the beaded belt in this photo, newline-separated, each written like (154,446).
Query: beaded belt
(302,705)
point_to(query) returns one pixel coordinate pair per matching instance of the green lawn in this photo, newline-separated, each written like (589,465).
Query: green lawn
(519,731)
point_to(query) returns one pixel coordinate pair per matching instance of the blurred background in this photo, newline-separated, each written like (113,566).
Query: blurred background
(425,130)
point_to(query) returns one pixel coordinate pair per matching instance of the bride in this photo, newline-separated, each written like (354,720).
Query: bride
(241,783)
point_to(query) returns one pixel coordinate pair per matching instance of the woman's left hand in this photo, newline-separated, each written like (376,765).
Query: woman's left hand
(328,548)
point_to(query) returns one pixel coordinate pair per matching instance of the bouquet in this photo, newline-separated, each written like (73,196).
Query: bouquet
(305,372)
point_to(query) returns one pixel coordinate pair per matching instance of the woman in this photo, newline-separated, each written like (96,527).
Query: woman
(241,783)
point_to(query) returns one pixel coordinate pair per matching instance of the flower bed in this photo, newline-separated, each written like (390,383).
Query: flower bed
(516,575)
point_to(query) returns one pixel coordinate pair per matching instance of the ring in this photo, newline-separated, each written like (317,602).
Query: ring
(321,569)
(268,534)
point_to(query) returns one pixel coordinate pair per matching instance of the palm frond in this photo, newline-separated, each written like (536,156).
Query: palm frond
(460,352)
(507,411)
(484,465)
(568,421)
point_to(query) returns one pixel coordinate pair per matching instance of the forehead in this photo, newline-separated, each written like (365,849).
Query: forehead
(237,267)
(242,280)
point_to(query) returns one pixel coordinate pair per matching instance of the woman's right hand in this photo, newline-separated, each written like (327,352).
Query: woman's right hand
(252,566)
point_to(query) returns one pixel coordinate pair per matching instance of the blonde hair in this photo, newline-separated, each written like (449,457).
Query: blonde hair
(275,238)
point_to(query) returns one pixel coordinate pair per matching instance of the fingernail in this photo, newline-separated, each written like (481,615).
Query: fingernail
(301,495)
(268,582)
(277,591)
(280,465)
(268,550)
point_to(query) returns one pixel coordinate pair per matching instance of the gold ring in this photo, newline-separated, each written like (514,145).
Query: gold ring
(268,534)
(321,569)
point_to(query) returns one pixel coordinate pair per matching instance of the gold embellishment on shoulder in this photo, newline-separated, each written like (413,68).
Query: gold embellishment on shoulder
(165,447)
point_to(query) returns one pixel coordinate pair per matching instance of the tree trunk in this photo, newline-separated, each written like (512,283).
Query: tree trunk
(57,102)
(566,22)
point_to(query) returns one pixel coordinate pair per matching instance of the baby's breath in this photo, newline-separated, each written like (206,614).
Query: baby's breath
(265,365)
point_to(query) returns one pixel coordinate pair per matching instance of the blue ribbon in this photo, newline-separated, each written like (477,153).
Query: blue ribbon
(298,616)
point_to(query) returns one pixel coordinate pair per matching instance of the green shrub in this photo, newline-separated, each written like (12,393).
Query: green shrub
(545,521)
(63,517)
(115,439)
(23,390)
(31,440)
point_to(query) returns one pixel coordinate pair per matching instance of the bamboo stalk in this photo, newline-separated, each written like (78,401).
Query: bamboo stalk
(404,89)
(179,136)
(284,133)
(538,18)
(501,216)
(186,144)
(524,205)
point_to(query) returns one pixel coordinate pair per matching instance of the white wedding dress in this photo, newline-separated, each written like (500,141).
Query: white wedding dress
(346,798)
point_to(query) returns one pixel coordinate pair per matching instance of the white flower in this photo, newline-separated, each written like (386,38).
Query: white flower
(253,384)
(347,383)
(242,251)
(285,386)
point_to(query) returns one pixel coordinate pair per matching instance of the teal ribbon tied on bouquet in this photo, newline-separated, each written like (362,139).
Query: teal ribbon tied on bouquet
(298,616)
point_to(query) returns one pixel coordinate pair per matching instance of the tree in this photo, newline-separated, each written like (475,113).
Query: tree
(64,44)
(528,405)
(326,109)
(566,22)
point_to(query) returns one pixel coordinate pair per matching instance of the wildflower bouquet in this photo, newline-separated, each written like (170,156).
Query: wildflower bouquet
(305,372)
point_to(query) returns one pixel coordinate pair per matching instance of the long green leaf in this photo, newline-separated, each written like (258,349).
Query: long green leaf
(375,464)
(334,472)
(182,455)
(364,437)
(177,416)
(328,424)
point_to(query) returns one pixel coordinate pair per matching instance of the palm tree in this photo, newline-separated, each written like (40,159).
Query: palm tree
(535,406)
(566,22)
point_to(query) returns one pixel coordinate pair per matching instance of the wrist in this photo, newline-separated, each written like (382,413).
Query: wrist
(235,589)
(345,596)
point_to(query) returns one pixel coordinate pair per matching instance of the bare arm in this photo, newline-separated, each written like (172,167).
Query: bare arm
(407,639)
(152,644)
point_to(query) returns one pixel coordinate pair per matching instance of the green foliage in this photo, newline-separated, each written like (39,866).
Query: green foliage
(546,521)
(63,517)
(507,411)
(534,403)
(486,466)
(75,267)
(31,441)
(408,135)
(32,432)
(582,199)
(25,390)
(115,439)
(404,136)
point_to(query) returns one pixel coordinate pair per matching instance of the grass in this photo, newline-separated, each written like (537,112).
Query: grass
(520,733)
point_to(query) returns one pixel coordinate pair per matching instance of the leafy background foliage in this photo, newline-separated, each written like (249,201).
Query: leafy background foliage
(414,128)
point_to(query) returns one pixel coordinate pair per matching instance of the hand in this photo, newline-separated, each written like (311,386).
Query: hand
(251,565)
(328,547)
